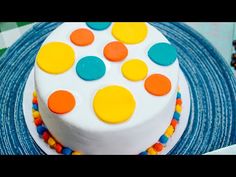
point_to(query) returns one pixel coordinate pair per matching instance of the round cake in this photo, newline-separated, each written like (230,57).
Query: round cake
(107,88)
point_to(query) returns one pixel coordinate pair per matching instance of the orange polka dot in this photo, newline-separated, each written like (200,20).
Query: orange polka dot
(115,51)
(61,102)
(82,37)
(157,85)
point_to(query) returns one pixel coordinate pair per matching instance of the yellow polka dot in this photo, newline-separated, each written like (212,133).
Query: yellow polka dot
(130,32)
(55,57)
(114,104)
(134,70)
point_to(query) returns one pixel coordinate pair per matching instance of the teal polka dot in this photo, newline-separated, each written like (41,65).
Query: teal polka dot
(90,68)
(98,25)
(162,54)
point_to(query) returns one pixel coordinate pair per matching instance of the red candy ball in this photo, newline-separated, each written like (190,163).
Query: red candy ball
(35,101)
(46,136)
(174,123)
(179,101)
(158,147)
(38,121)
(58,148)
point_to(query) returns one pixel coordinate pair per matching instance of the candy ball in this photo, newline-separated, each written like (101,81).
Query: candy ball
(66,151)
(163,139)
(51,142)
(41,129)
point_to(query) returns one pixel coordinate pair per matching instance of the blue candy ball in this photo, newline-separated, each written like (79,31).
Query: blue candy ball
(163,139)
(41,129)
(176,116)
(143,153)
(178,95)
(66,151)
(35,107)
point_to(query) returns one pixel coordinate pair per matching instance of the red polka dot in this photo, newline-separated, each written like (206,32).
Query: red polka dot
(82,37)
(61,102)
(115,51)
(157,85)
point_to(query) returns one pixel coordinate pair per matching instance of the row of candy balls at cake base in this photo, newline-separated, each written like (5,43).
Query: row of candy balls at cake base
(158,147)
(45,134)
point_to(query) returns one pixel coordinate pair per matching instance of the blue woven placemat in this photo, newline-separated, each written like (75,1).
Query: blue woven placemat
(212,87)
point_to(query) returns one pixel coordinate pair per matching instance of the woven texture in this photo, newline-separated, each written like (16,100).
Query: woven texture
(212,87)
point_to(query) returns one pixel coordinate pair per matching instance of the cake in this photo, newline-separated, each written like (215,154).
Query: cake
(106,88)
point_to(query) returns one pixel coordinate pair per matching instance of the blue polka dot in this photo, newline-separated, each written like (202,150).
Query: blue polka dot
(98,25)
(162,54)
(90,68)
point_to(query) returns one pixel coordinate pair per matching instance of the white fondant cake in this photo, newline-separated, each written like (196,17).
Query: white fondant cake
(81,129)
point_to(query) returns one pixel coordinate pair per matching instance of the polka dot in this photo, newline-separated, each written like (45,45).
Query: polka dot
(55,57)
(90,68)
(157,85)
(98,25)
(61,102)
(130,32)
(114,104)
(82,37)
(134,70)
(115,51)
(162,54)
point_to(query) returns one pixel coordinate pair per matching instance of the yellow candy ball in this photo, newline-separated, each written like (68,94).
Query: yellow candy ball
(170,130)
(51,142)
(178,108)
(76,153)
(36,114)
(151,151)
(34,94)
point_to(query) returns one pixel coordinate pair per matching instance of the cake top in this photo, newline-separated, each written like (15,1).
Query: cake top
(102,73)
